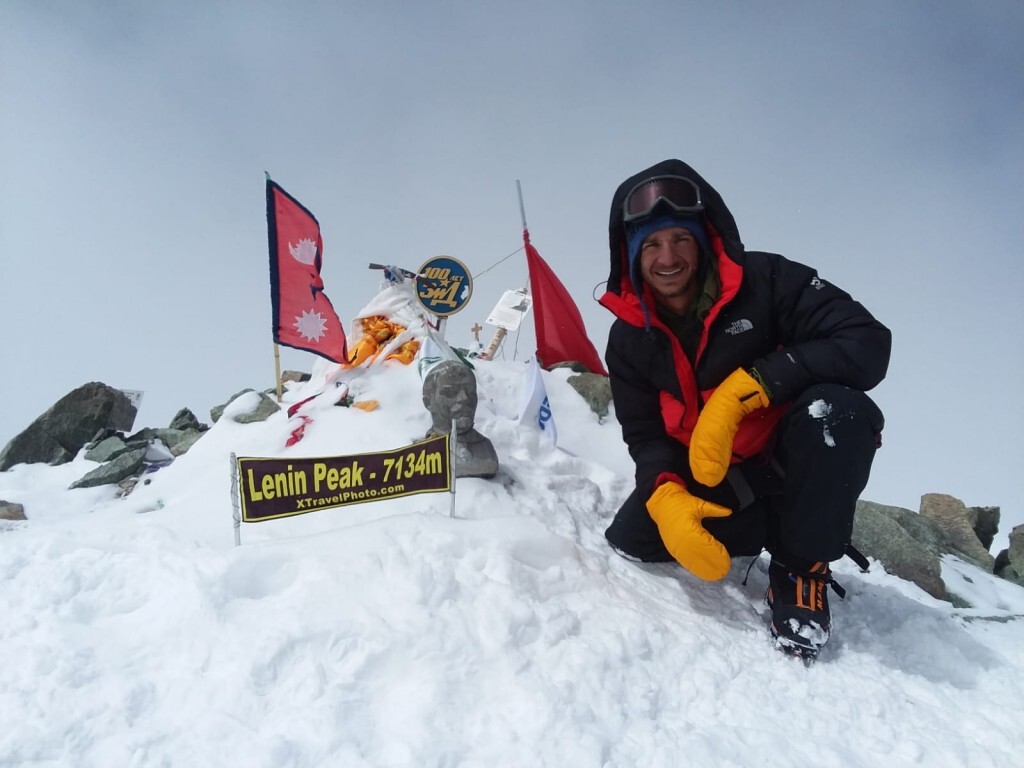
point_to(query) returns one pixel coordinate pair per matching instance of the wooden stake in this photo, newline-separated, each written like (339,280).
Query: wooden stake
(492,348)
(277,370)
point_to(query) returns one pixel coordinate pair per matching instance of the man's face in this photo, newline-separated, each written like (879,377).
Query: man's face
(457,400)
(450,393)
(668,263)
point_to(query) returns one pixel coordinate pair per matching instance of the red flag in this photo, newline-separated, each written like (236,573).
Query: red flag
(304,317)
(561,335)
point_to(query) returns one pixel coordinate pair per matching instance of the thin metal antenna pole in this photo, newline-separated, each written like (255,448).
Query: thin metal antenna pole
(522,208)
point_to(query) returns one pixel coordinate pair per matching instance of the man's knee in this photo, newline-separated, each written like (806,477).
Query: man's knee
(634,534)
(639,548)
(839,402)
(835,416)
(826,448)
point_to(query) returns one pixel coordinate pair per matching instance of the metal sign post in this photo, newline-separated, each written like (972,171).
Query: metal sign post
(235,507)
(452,442)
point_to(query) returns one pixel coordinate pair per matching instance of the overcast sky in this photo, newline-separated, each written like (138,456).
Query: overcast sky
(879,142)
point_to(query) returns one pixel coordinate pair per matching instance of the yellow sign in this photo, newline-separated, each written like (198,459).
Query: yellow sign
(274,488)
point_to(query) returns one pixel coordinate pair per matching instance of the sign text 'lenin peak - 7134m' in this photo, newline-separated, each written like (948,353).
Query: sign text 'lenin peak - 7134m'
(274,488)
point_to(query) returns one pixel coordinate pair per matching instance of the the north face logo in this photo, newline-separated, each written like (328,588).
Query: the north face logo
(737,327)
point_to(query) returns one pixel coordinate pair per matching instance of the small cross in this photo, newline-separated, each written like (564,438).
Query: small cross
(476,331)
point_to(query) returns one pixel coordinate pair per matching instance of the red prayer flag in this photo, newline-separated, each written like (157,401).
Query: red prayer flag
(304,317)
(561,335)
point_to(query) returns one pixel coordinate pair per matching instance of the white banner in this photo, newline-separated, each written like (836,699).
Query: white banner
(536,408)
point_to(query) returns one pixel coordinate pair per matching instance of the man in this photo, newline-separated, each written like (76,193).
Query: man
(739,378)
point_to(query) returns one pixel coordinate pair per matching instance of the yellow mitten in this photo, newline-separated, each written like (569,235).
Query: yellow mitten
(711,442)
(678,514)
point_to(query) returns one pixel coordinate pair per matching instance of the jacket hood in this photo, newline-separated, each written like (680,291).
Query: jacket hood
(716,213)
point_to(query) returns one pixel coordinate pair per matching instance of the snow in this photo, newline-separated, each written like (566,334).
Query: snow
(819,409)
(392,634)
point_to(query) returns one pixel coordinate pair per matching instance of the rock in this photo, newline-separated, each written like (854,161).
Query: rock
(9,510)
(1016,550)
(59,434)
(985,522)
(184,440)
(926,532)
(1004,570)
(595,389)
(177,440)
(185,420)
(141,437)
(879,532)
(218,410)
(294,376)
(573,365)
(1010,562)
(107,449)
(102,435)
(262,412)
(264,409)
(952,517)
(911,545)
(125,465)
(122,413)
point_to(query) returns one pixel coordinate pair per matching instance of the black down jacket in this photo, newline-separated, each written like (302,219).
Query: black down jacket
(772,314)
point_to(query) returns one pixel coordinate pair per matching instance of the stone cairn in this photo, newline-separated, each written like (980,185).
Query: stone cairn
(96,416)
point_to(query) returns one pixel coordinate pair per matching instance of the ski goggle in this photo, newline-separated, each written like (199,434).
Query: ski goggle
(681,195)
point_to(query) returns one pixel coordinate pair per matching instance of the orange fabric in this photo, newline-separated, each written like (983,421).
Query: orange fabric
(362,351)
(405,353)
(816,590)
(377,330)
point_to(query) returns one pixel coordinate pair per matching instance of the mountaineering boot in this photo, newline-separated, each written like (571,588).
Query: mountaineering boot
(801,622)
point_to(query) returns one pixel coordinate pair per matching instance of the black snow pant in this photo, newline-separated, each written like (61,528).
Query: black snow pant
(797,500)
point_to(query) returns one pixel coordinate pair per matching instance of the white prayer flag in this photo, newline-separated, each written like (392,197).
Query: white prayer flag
(536,408)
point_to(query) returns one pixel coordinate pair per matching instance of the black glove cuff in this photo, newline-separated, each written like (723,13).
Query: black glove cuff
(760,380)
